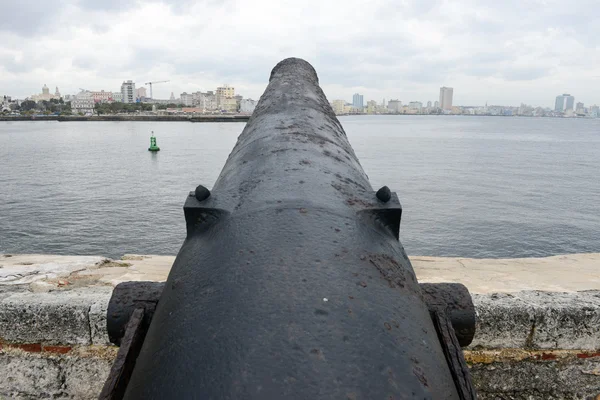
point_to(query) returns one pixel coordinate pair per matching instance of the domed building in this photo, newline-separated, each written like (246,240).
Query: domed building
(45,95)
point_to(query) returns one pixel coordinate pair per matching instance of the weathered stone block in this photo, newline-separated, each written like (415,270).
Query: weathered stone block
(566,320)
(97,314)
(84,377)
(503,321)
(29,377)
(547,380)
(60,317)
(538,320)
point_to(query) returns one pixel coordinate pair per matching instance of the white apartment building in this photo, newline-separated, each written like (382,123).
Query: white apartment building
(247,106)
(5,103)
(187,99)
(83,102)
(210,101)
(128,91)
(415,105)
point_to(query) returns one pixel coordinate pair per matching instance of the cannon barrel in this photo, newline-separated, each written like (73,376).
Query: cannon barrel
(291,282)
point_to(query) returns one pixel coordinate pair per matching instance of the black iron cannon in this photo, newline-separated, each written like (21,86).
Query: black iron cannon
(291,282)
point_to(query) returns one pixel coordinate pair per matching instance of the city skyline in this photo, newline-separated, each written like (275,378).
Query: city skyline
(209,100)
(500,53)
(566,101)
(565,106)
(569,103)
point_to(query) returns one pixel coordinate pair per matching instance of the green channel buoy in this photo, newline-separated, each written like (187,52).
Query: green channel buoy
(153,146)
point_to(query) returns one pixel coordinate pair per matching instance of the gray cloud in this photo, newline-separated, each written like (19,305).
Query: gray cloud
(83,62)
(106,5)
(28,18)
(385,48)
(525,73)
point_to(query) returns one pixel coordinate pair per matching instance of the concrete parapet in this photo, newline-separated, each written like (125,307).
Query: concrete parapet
(529,344)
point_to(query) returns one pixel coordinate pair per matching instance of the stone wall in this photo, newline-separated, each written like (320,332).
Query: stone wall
(536,345)
(53,341)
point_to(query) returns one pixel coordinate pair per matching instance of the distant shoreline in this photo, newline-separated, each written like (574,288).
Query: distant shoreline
(150,118)
(220,118)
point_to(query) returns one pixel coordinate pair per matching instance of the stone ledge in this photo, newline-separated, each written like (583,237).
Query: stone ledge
(563,273)
(529,344)
(527,320)
(74,317)
(538,320)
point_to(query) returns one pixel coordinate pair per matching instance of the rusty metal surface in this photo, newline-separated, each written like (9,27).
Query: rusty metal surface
(454,300)
(120,372)
(291,282)
(127,297)
(454,356)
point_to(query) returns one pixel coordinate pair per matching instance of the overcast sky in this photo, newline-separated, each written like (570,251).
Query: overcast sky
(502,51)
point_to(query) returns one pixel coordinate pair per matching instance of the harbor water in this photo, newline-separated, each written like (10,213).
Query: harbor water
(483,187)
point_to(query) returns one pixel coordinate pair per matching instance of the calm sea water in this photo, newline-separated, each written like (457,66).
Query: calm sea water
(470,187)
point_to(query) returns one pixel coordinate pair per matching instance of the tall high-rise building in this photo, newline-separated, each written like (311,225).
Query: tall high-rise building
(436,104)
(357,101)
(559,103)
(564,102)
(446,98)
(429,104)
(569,102)
(128,92)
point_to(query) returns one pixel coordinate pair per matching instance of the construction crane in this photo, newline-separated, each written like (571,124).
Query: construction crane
(150,83)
